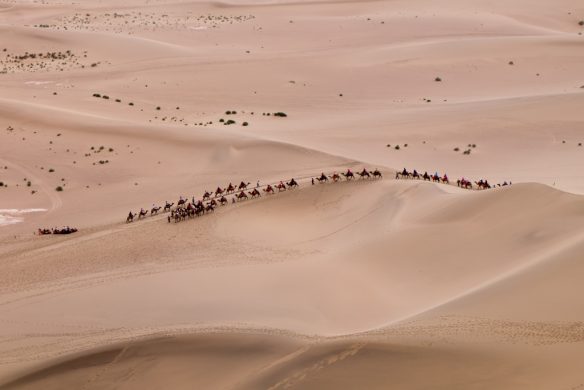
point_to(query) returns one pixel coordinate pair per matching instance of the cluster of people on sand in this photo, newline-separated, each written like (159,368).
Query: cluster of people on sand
(63,230)
(186,208)
(482,184)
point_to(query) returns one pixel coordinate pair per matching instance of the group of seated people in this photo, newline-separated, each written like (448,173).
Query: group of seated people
(65,230)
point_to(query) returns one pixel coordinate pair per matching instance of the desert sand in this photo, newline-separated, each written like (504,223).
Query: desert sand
(107,108)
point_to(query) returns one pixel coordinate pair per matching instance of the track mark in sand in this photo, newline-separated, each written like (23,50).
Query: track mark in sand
(299,376)
(104,370)
(282,360)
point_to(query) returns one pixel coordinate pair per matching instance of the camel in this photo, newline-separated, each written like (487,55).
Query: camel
(269,190)
(207,195)
(281,187)
(143,213)
(415,175)
(349,175)
(181,202)
(230,189)
(403,174)
(364,174)
(323,178)
(376,174)
(255,193)
(223,201)
(155,210)
(241,195)
(130,217)
(435,178)
(243,186)
(483,184)
(167,206)
(425,176)
(210,208)
(445,179)
(219,191)
(464,183)
(335,177)
(292,183)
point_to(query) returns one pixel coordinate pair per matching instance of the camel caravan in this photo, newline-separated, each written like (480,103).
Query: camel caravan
(482,184)
(222,196)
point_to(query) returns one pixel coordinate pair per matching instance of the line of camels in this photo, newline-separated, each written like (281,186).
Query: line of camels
(186,208)
(482,184)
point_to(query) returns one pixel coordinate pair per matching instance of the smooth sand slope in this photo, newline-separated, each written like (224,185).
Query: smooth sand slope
(363,284)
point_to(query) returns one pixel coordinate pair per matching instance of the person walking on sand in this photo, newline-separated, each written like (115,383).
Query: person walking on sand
(313,181)
(258,184)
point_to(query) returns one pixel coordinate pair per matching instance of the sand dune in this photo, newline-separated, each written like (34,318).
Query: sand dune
(108,108)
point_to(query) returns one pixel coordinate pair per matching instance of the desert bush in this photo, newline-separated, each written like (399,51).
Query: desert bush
(59,189)
(245,124)
(230,122)
(396,147)
(438,79)
(280,114)
(97,95)
(51,170)
(456,149)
